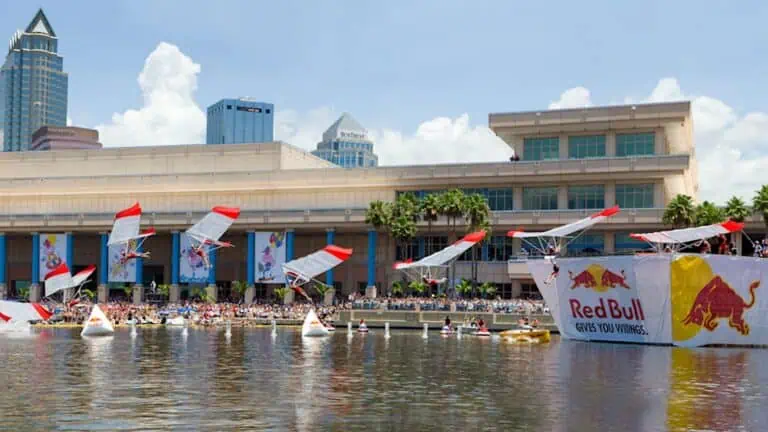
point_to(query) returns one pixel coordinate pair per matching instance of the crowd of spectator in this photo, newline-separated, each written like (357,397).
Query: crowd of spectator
(515,306)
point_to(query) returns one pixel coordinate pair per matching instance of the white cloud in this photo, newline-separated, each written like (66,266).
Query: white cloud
(169,114)
(69,121)
(577,97)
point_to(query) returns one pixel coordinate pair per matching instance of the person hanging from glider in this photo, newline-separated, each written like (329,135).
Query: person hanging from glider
(205,235)
(303,270)
(125,231)
(426,268)
(60,279)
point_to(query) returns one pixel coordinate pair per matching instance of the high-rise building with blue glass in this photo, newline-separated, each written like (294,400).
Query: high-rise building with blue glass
(346,143)
(240,121)
(33,84)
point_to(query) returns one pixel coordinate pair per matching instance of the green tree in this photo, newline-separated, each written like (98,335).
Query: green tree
(128,290)
(708,214)
(379,215)
(200,294)
(418,287)
(240,287)
(429,207)
(164,290)
(281,292)
(397,289)
(478,216)
(487,289)
(680,212)
(736,209)
(760,203)
(405,214)
(321,289)
(23,292)
(452,206)
(464,288)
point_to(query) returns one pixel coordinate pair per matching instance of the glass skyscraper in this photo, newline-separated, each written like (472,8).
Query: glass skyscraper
(33,84)
(346,143)
(240,121)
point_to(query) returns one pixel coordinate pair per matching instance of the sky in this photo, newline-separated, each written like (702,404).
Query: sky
(421,76)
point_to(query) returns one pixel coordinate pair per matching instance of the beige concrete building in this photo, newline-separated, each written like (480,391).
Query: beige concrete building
(573,162)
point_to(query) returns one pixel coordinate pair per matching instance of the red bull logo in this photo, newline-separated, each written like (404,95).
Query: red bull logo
(717,301)
(598,278)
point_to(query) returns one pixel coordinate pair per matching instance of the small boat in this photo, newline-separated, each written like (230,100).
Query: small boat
(446,330)
(526,335)
(482,332)
(312,326)
(330,327)
(98,324)
(362,328)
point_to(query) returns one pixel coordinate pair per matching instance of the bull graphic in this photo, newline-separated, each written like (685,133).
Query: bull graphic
(583,278)
(718,300)
(611,279)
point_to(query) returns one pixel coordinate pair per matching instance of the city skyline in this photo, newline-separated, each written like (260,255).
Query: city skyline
(428,96)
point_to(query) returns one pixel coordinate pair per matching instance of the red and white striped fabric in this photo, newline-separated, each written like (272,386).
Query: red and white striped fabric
(212,226)
(445,255)
(14,312)
(126,226)
(60,279)
(306,268)
(686,235)
(568,229)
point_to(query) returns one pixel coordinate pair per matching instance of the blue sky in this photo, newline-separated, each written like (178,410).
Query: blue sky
(398,64)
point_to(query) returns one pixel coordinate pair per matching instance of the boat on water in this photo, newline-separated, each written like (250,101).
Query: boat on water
(446,330)
(530,335)
(669,296)
(312,326)
(97,324)
(482,332)
(330,327)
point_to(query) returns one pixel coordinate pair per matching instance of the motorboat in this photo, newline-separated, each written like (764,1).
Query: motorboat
(362,328)
(526,335)
(446,330)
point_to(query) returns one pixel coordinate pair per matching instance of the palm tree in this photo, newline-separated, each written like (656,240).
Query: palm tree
(240,287)
(736,209)
(478,215)
(708,214)
(397,288)
(680,212)
(487,289)
(418,287)
(760,203)
(321,289)
(464,288)
(403,230)
(281,292)
(128,290)
(452,206)
(429,207)
(379,214)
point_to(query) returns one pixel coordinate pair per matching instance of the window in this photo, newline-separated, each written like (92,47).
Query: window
(408,250)
(634,195)
(500,199)
(541,148)
(504,290)
(623,243)
(529,290)
(636,144)
(433,244)
(587,244)
(587,146)
(540,198)
(586,197)
(229,107)
(499,248)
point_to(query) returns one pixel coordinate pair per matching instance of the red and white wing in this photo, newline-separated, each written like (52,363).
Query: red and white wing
(126,225)
(58,279)
(23,312)
(568,229)
(80,277)
(212,226)
(318,262)
(445,255)
(686,235)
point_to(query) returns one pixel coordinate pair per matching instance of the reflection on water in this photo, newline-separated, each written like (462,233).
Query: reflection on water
(162,380)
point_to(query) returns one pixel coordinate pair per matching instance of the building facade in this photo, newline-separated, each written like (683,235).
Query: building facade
(578,161)
(34,84)
(346,143)
(240,121)
(65,138)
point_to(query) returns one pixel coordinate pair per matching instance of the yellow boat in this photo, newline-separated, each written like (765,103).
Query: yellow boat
(526,335)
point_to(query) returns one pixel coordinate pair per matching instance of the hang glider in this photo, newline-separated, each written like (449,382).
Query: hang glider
(303,270)
(208,230)
(425,268)
(125,231)
(16,312)
(550,242)
(60,279)
(678,239)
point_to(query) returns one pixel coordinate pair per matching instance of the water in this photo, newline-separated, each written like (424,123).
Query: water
(160,380)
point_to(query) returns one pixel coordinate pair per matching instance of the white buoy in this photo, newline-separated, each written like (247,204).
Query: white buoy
(228,332)
(426,331)
(185,331)
(386,330)
(133,330)
(458,333)
(274,327)
(349,328)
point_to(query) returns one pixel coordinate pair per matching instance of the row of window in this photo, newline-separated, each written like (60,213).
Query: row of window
(589,146)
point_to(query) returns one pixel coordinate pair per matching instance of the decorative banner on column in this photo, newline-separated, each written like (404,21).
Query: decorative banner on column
(191,266)
(270,257)
(53,251)
(120,271)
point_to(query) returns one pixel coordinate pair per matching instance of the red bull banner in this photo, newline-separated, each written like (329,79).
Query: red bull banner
(681,299)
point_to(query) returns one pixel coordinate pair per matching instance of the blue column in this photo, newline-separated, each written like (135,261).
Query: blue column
(250,263)
(35,258)
(329,234)
(422,249)
(175,256)
(139,266)
(372,234)
(3,257)
(71,252)
(103,262)
(486,251)
(212,269)
(289,237)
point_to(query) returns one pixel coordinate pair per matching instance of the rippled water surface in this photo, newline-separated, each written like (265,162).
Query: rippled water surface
(161,380)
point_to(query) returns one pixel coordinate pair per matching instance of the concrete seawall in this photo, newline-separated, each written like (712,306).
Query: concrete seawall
(416,320)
